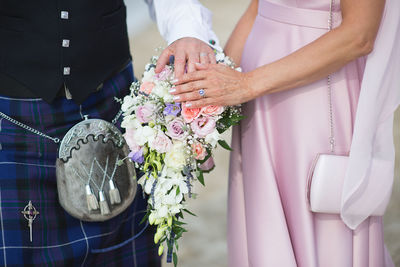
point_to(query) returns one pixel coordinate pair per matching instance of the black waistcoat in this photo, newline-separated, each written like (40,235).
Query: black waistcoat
(45,44)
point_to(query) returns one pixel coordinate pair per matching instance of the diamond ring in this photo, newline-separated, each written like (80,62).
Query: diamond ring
(202,93)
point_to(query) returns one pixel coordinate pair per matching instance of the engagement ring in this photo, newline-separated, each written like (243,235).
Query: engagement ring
(202,93)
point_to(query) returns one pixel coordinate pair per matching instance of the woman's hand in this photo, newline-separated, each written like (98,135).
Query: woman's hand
(222,86)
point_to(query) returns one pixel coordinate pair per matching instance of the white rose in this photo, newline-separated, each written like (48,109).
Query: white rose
(160,89)
(145,134)
(130,122)
(148,75)
(168,97)
(128,105)
(175,158)
(213,138)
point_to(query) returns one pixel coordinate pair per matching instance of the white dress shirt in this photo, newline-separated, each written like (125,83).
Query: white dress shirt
(183,18)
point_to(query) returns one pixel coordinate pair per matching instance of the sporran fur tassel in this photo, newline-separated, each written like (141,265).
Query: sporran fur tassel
(91,199)
(104,209)
(115,197)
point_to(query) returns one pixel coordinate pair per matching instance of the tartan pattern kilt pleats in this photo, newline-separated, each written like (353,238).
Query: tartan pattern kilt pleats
(27,173)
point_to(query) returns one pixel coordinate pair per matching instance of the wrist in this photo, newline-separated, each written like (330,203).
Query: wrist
(260,82)
(250,85)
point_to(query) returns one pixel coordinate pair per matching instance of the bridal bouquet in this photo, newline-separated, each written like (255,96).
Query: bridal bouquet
(172,146)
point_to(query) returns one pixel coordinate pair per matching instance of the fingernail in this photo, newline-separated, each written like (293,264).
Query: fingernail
(188,105)
(172,90)
(199,64)
(174,81)
(177,97)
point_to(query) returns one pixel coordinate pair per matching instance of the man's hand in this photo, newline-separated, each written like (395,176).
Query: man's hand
(187,52)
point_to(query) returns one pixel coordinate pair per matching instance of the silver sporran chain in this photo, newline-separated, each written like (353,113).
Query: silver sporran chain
(28,128)
(37,132)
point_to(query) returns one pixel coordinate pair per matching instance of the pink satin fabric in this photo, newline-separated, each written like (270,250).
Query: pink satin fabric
(269,222)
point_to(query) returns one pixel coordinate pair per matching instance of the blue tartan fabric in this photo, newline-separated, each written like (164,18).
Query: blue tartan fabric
(27,173)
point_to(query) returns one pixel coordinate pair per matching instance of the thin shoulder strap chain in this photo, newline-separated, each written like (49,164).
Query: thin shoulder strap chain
(329,82)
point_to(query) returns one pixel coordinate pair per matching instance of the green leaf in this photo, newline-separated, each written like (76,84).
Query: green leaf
(145,217)
(201,178)
(180,214)
(228,120)
(179,223)
(191,213)
(175,257)
(224,144)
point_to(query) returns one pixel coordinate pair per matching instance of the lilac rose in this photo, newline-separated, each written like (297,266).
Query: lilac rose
(203,126)
(145,113)
(175,129)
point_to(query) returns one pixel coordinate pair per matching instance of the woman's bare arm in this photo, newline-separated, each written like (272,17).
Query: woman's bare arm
(354,38)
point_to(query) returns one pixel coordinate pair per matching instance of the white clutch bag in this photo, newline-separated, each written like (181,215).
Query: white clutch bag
(325,183)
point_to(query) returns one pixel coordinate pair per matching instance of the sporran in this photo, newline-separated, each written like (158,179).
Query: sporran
(95,180)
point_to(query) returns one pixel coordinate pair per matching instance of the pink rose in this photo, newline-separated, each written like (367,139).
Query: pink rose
(130,140)
(145,113)
(203,126)
(162,144)
(212,110)
(175,129)
(199,151)
(189,114)
(146,87)
(164,74)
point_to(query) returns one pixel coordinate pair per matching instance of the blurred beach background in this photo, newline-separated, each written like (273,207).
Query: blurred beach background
(205,243)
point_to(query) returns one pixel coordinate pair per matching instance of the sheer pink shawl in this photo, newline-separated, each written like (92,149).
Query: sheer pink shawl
(369,178)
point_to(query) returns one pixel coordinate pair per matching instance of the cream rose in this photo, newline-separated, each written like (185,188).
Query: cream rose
(175,158)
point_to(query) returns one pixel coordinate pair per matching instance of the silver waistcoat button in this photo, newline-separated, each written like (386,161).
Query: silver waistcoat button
(67,70)
(64,14)
(65,43)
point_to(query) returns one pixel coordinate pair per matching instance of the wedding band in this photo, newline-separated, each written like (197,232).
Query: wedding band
(203,54)
(202,93)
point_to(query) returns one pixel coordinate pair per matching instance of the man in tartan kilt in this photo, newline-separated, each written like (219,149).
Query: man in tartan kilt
(59,61)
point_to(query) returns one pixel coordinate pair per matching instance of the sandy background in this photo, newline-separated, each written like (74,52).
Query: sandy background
(205,243)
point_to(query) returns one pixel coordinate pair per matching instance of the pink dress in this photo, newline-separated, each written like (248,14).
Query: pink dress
(270,224)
